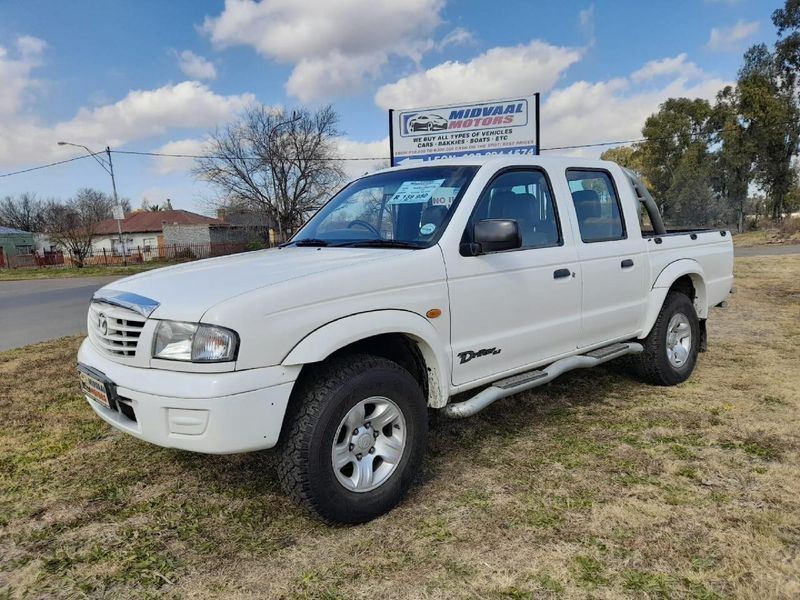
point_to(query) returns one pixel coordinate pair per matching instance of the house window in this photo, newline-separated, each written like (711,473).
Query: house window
(117,246)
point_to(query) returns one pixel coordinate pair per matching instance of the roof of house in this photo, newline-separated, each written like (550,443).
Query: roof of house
(152,221)
(7,230)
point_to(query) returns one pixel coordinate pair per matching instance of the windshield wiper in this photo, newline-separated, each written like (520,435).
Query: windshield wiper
(382,244)
(307,242)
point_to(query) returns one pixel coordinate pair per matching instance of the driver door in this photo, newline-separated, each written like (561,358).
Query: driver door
(514,308)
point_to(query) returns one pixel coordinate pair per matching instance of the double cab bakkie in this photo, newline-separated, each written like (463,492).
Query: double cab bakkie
(486,275)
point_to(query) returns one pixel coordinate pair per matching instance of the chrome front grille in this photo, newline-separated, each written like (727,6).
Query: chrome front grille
(115,330)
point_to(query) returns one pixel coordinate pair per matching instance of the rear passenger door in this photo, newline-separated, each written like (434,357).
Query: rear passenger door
(517,307)
(612,262)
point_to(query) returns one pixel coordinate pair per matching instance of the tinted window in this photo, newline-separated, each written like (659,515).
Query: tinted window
(596,205)
(525,197)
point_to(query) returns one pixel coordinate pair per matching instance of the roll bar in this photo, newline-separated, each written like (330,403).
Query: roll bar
(640,190)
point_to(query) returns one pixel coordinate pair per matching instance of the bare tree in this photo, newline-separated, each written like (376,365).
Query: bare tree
(281,166)
(25,212)
(73,224)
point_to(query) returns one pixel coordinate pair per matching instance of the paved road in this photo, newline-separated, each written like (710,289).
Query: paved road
(42,309)
(771,250)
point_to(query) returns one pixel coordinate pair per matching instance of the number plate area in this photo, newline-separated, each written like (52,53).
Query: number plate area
(96,386)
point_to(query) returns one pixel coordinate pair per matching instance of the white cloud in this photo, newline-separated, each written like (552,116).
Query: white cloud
(139,115)
(334,46)
(585,113)
(586,22)
(145,113)
(195,66)
(676,65)
(727,38)
(166,165)
(30,46)
(354,149)
(457,37)
(498,72)
(16,84)
(324,77)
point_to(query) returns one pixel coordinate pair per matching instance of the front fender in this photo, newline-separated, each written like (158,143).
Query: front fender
(324,341)
(669,275)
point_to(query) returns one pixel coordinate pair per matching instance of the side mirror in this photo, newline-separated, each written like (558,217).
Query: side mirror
(496,235)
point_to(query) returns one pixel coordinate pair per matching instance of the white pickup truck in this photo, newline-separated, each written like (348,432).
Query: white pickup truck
(409,286)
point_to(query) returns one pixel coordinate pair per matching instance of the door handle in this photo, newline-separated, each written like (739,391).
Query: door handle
(561,273)
(627,263)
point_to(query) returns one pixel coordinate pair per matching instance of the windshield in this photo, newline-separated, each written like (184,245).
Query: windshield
(404,208)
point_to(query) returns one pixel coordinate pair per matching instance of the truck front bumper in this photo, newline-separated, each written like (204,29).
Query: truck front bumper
(214,413)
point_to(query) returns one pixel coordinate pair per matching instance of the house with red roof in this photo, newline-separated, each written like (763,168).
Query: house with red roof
(142,231)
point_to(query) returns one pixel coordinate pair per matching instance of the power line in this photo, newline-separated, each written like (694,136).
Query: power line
(374,158)
(52,164)
(668,137)
(167,155)
(571,147)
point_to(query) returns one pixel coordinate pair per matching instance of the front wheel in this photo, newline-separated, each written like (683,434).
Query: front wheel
(354,438)
(671,347)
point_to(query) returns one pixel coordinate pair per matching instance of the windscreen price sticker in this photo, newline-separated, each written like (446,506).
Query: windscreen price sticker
(415,192)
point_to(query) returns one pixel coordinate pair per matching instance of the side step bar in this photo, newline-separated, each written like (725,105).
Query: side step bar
(531,379)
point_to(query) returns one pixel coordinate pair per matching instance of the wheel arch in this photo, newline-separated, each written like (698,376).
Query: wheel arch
(381,330)
(686,276)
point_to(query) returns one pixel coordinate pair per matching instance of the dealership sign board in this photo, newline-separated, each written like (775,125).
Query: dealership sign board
(509,126)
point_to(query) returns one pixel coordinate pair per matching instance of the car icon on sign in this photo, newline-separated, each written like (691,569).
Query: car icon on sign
(427,122)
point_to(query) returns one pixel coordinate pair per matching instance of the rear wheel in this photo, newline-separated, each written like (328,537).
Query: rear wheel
(354,439)
(671,347)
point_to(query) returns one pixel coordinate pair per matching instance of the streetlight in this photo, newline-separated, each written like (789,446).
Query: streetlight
(110,170)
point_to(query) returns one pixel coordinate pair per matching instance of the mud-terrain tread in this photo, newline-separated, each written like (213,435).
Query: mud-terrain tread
(302,413)
(652,365)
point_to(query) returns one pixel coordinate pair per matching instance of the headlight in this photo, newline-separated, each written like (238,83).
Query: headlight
(196,343)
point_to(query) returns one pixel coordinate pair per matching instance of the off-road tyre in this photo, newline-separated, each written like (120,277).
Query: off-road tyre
(316,409)
(653,365)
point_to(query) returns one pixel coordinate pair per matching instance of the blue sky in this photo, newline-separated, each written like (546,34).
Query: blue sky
(154,75)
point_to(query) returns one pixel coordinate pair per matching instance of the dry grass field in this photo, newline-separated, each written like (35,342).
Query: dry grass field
(594,486)
(58,272)
(786,233)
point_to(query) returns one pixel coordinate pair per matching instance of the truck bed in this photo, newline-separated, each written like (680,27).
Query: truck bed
(711,248)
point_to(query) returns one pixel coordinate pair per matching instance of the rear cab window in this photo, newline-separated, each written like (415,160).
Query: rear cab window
(597,205)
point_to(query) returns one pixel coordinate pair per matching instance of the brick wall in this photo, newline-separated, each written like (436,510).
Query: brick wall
(186,235)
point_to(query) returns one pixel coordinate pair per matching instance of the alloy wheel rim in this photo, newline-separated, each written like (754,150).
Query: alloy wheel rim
(679,340)
(369,444)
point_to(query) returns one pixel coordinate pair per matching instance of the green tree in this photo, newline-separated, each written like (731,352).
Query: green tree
(693,202)
(733,159)
(769,93)
(629,157)
(771,116)
(675,151)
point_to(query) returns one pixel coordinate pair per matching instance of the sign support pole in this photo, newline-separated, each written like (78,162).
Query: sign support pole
(538,139)
(391,137)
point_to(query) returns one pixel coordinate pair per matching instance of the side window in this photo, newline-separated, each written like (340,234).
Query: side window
(597,205)
(524,196)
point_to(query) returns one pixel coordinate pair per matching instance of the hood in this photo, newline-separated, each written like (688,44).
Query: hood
(185,292)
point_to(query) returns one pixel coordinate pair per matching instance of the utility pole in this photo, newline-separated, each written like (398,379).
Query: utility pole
(117,208)
(118,214)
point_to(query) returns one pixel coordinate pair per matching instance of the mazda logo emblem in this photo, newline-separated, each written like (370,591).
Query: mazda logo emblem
(102,324)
